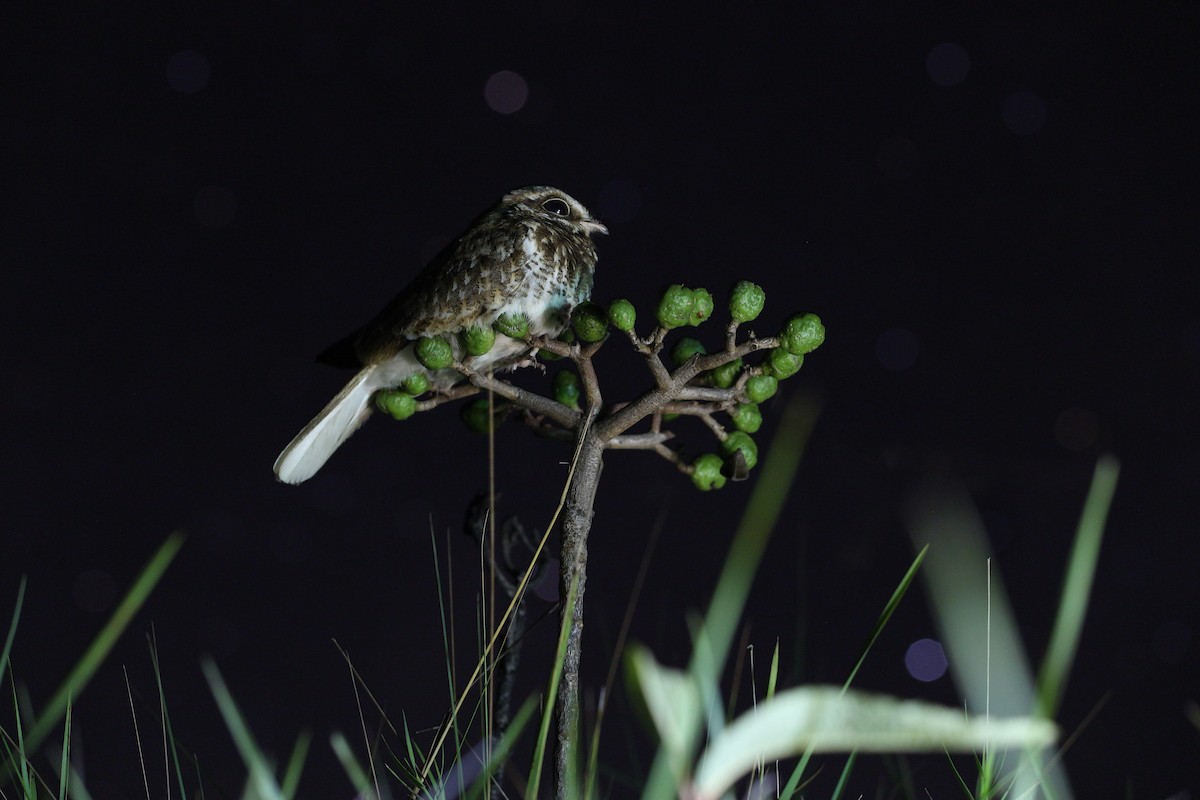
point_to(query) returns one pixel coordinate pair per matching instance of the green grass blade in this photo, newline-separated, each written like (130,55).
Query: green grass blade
(75,683)
(539,750)
(354,770)
(773,676)
(169,732)
(792,786)
(64,766)
(256,763)
(18,760)
(733,585)
(12,627)
(295,765)
(844,777)
(1077,586)
(503,749)
(750,541)
(825,719)
(78,790)
(888,610)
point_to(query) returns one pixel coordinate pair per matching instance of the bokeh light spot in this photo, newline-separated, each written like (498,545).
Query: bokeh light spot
(1076,428)
(925,660)
(897,157)
(620,201)
(214,206)
(1024,113)
(947,64)
(94,591)
(506,92)
(188,71)
(897,348)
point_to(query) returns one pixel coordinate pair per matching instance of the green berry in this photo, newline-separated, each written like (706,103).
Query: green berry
(746,417)
(761,388)
(434,352)
(784,364)
(746,301)
(475,415)
(706,472)
(724,376)
(589,322)
(478,340)
(740,440)
(802,334)
(622,314)
(702,306)
(566,388)
(398,405)
(513,325)
(675,308)
(684,349)
(416,384)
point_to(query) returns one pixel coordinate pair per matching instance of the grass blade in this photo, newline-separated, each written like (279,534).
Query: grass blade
(886,615)
(261,778)
(1077,586)
(12,627)
(733,585)
(75,683)
(539,752)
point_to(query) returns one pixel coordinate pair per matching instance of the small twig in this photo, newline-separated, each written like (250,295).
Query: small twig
(674,458)
(637,342)
(654,399)
(552,409)
(457,393)
(550,431)
(555,346)
(714,426)
(695,409)
(639,441)
(706,394)
(587,374)
(751,345)
(662,377)
(655,342)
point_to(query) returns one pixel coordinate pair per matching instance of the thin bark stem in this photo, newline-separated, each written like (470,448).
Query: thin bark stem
(577,521)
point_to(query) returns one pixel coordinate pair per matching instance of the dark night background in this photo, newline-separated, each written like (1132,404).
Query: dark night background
(995,212)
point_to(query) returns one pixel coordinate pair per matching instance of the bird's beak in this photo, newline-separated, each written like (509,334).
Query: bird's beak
(594,226)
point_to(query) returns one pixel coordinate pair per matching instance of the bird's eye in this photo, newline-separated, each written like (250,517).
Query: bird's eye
(556,205)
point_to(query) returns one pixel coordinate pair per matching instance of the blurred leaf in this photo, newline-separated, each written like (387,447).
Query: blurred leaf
(674,703)
(824,719)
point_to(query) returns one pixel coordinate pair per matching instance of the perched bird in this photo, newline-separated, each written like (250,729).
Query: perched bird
(529,254)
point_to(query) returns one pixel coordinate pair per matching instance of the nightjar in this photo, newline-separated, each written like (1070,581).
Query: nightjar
(531,254)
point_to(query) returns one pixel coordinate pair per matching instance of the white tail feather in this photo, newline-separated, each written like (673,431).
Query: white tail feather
(313,446)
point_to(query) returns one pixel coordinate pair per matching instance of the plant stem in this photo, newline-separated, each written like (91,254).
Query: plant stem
(577,521)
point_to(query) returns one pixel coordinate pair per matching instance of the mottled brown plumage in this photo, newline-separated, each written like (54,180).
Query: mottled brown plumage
(530,254)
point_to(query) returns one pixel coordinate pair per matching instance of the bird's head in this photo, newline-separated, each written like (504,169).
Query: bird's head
(552,207)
